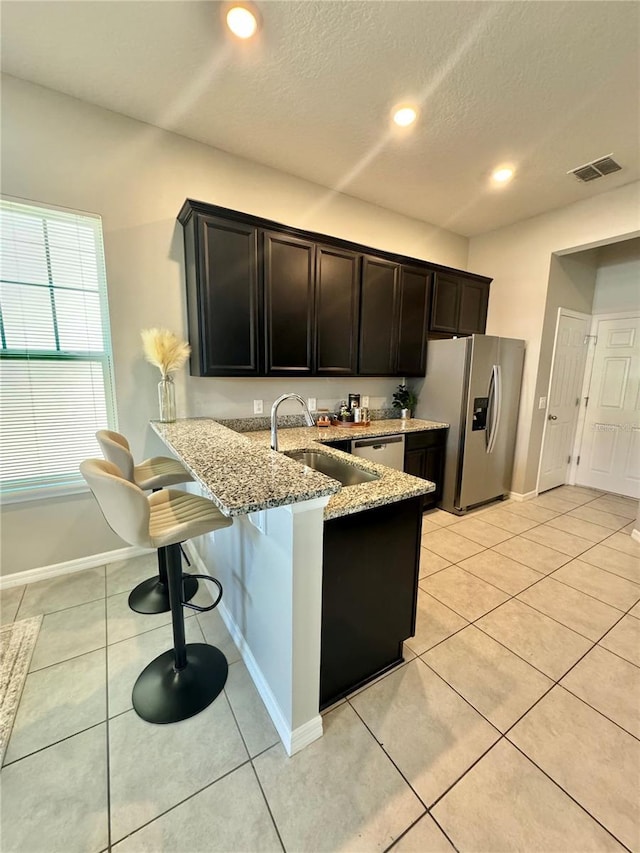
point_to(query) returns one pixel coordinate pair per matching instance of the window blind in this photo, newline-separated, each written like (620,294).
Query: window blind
(56,374)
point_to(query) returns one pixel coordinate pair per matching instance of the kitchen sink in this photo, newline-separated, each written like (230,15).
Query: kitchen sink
(338,470)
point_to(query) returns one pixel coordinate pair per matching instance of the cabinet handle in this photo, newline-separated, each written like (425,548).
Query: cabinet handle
(553,417)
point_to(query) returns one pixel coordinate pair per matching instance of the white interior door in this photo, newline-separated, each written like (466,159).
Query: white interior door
(610,452)
(567,374)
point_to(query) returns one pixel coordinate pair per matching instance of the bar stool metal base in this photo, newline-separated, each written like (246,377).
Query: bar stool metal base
(163,694)
(152,596)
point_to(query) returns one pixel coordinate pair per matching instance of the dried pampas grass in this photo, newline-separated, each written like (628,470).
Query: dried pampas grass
(164,349)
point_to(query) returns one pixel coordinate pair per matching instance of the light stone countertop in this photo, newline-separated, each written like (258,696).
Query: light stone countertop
(242,474)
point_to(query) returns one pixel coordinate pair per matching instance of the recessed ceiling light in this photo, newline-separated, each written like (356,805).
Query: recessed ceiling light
(242,21)
(502,175)
(404,116)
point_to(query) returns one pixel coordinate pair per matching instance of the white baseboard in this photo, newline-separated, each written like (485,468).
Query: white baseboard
(635,534)
(523,496)
(66,568)
(293,740)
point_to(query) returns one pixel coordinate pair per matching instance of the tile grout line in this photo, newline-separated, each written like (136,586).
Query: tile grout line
(182,802)
(390,759)
(53,743)
(571,797)
(503,736)
(266,801)
(108,727)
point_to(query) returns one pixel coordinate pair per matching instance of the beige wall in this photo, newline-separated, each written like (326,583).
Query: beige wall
(61,151)
(618,278)
(519,258)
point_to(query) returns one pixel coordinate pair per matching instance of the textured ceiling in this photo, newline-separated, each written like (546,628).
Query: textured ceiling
(545,86)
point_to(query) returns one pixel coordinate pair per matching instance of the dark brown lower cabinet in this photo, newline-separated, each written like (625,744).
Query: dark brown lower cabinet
(369,594)
(424,455)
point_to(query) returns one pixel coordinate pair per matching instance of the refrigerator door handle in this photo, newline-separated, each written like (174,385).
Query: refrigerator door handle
(495,403)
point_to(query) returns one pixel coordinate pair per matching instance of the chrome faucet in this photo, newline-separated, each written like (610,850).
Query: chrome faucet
(274,416)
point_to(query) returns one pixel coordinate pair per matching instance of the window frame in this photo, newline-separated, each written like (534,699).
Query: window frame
(24,489)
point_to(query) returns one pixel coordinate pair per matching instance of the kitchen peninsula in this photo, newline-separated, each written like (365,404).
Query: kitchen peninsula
(278,591)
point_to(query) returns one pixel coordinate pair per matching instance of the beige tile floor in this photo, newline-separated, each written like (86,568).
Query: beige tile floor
(513,724)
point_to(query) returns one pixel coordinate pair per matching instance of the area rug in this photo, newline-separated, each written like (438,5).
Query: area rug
(17,642)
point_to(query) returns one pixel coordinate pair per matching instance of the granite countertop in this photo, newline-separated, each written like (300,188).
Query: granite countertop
(242,474)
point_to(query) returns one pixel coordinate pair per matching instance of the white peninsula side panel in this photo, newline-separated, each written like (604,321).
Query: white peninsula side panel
(270,566)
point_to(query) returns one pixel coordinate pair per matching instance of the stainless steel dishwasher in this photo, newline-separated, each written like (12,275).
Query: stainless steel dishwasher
(385,450)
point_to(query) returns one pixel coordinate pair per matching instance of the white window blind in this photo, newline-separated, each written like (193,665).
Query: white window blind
(56,376)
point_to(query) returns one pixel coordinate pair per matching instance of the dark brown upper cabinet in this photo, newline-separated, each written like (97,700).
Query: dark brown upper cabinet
(378,317)
(288,304)
(414,296)
(222,297)
(264,299)
(459,305)
(393,321)
(474,301)
(336,311)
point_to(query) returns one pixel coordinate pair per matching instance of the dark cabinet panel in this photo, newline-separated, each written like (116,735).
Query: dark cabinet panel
(434,471)
(474,298)
(414,292)
(424,457)
(288,288)
(444,310)
(369,594)
(264,299)
(378,332)
(459,305)
(222,295)
(336,311)
(414,463)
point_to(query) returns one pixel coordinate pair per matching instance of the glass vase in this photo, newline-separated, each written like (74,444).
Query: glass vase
(167,400)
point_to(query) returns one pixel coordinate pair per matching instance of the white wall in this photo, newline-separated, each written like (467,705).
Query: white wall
(519,259)
(61,151)
(618,278)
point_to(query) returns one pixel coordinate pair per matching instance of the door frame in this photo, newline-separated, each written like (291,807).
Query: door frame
(586,384)
(576,315)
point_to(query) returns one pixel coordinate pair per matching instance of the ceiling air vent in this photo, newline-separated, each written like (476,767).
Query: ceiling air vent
(595,169)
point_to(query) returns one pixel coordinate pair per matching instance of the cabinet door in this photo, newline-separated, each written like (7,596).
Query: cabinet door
(336,314)
(414,463)
(434,470)
(474,299)
(414,295)
(378,338)
(221,257)
(288,286)
(445,306)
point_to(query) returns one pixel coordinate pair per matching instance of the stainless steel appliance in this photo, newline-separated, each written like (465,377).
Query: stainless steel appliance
(360,414)
(385,450)
(474,385)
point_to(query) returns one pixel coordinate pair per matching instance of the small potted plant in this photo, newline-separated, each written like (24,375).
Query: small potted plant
(405,400)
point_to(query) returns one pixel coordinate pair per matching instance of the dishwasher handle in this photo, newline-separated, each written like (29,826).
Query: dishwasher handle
(380,441)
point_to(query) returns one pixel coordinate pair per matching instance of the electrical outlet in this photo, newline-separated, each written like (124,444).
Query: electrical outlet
(542,403)
(312,403)
(257,407)
(365,401)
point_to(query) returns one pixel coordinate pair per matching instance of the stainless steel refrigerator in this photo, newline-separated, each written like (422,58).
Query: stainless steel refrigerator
(473,384)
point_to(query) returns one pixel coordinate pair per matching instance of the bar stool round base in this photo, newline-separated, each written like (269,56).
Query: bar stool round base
(151,596)
(163,695)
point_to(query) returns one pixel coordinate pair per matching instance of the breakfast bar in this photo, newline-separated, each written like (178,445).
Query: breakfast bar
(305,557)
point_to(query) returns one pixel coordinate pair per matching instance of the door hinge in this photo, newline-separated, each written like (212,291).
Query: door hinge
(568,459)
(578,461)
(577,401)
(586,402)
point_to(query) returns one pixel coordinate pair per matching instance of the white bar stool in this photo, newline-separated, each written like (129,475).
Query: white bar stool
(158,472)
(183,681)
